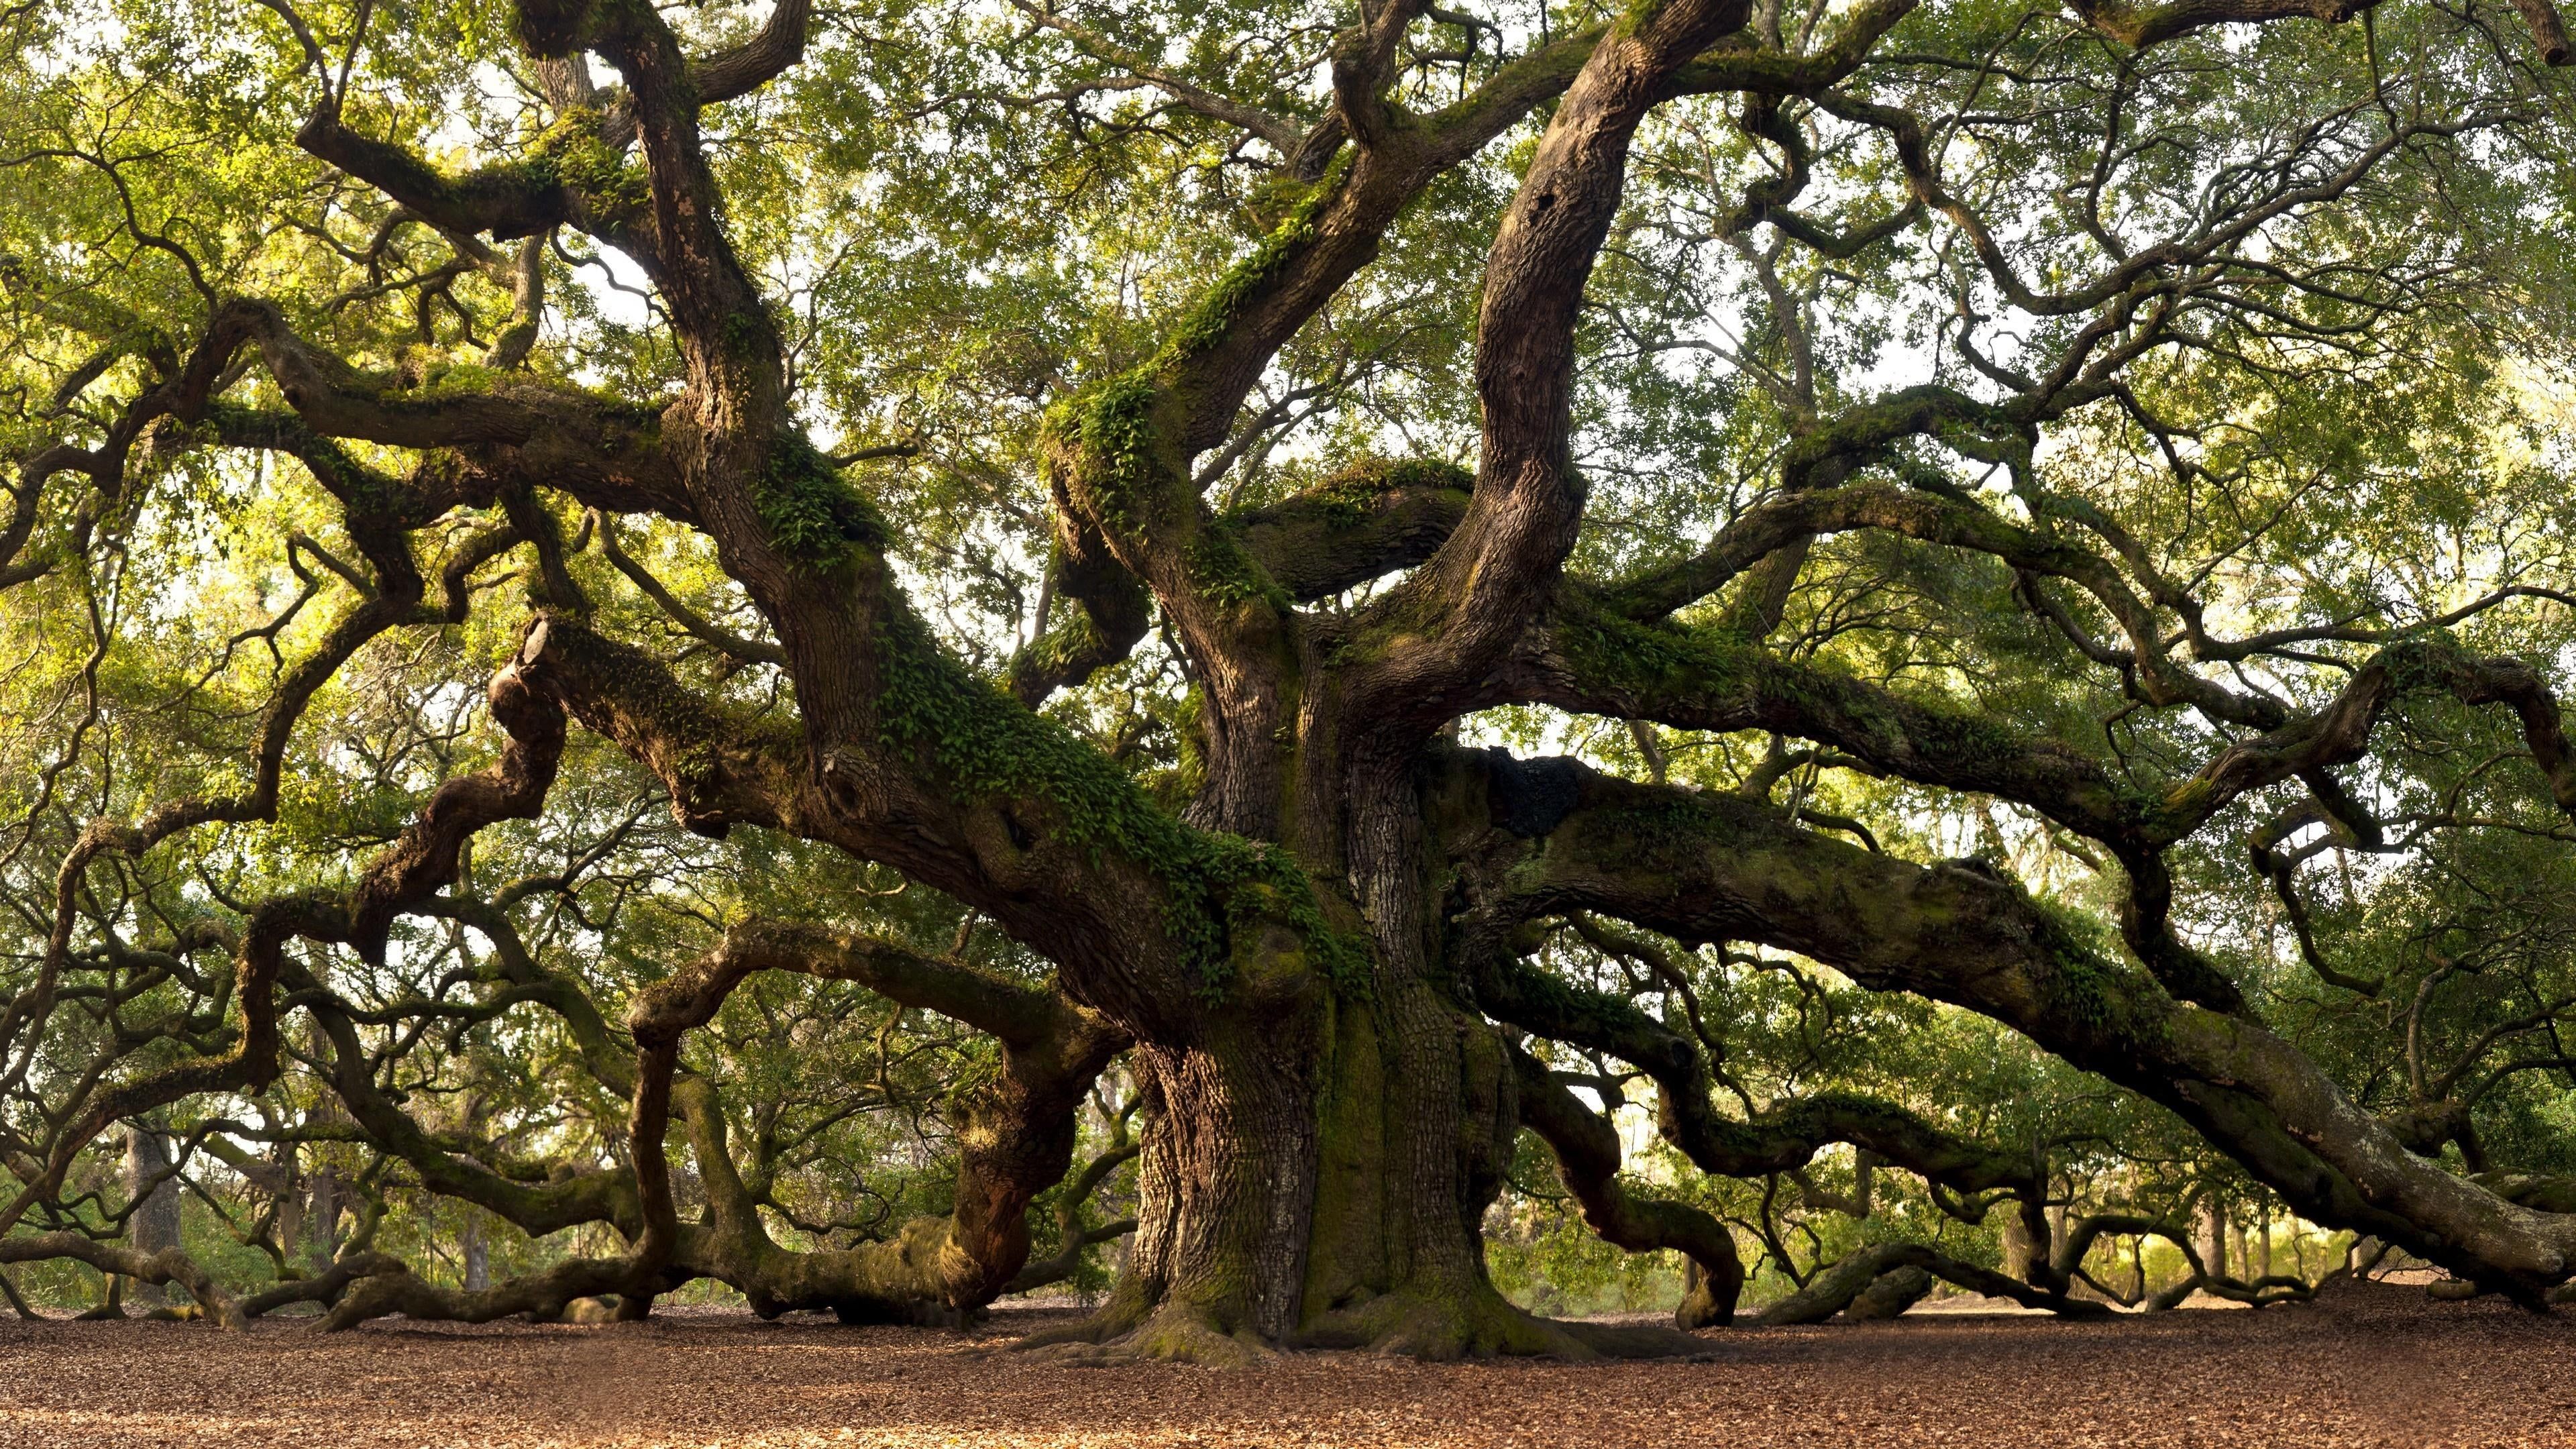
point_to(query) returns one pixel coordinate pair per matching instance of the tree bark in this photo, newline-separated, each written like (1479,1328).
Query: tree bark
(322,1218)
(154,1226)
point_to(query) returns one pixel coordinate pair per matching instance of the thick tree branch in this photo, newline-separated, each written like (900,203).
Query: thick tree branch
(1367,521)
(1716,868)
(1587,1158)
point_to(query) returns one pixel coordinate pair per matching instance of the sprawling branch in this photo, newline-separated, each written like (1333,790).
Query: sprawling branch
(720,770)
(1841,1285)
(1718,868)
(1492,572)
(1587,1158)
(1783,1139)
(418,863)
(2145,25)
(1766,528)
(425,856)
(1016,1139)
(1595,662)
(169,1265)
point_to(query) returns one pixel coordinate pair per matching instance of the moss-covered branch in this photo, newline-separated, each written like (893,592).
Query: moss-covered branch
(1366,521)
(1705,867)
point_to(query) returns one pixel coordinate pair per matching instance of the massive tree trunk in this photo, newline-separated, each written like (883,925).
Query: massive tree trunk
(1321,1181)
(1321,1142)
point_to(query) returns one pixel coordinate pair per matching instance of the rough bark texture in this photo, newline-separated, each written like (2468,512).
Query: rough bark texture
(152,1184)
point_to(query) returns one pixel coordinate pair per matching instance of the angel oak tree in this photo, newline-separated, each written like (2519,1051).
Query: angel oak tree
(1971,403)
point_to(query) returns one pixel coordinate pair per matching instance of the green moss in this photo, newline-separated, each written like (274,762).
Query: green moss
(1220,890)
(1190,771)
(2085,981)
(813,514)
(570,153)
(1227,575)
(1642,657)
(750,333)
(1115,445)
(1060,649)
(1217,311)
(1109,433)
(1348,497)
(2422,662)
(453,380)
(1636,15)
(1346,1257)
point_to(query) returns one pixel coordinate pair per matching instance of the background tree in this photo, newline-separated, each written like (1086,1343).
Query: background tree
(738,635)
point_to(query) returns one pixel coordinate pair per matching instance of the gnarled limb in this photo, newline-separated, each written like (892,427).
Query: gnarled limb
(326,1287)
(1109,612)
(1594,662)
(1466,606)
(1837,1288)
(2140,26)
(1587,1158)
(1711,867)
(1015,1139)
(544,1295)
(169,1265)
(1785,1138)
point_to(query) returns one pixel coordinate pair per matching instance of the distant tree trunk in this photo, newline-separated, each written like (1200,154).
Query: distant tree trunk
(478,1255)
(322,1221)
(290,1201)
(2017,1245)
(2213,1236)
(154,1225)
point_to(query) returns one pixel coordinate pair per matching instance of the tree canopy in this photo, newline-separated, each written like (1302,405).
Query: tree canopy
(894,653)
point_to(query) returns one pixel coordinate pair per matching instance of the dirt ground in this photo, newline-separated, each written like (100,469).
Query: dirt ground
(2374,1366)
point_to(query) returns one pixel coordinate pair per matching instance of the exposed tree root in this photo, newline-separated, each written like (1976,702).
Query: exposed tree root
(1175,1332)
(1482,1324)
